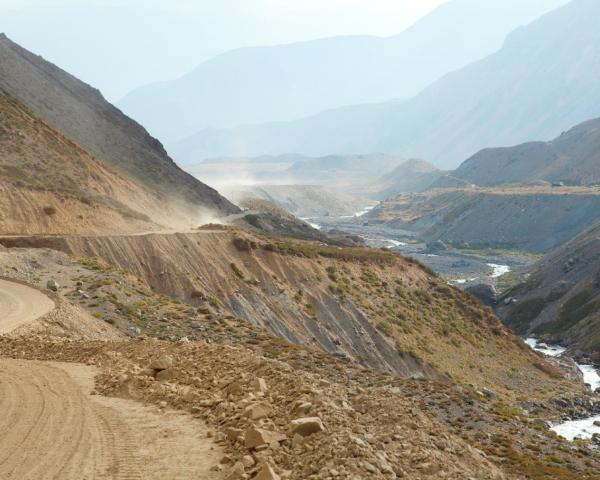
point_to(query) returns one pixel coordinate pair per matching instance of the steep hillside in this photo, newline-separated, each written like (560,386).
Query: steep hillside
(561,296)
(51,185)
(247,384)
(285,82)
(573,158)
(81,114)
(543,81)
(410,176)
(361,305)
(535,219)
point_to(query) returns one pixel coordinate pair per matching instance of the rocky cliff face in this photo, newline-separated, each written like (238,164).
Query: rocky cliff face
(81,113)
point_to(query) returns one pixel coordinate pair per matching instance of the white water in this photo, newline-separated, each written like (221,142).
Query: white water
(462,281)
(575,428)
(364,212)
(498,270)
(316,226)
(549,350)
(395,243)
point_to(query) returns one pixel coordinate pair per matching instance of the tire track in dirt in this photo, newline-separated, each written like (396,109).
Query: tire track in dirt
(52,428)
(20,304)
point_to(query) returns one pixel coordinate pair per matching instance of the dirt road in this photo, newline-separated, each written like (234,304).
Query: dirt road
(53,428)
(20,304)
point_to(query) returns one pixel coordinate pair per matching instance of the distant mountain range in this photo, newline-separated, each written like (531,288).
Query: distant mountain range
(545,79)
(288,82)
(78,164)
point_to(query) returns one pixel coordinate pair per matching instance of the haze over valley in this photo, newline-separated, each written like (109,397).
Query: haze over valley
(362,244)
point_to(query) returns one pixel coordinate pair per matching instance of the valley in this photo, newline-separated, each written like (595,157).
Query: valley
(308,284)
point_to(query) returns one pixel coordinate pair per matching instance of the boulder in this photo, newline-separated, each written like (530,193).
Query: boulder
(233,433)
(490,394)
(52,285)
(166,375)
(258,411)
(237,472)
(484,292)
(306,426)
(437,247)
(267,473)
(235,388)
(259,385)
(255,437)
(301,408)
(162,363)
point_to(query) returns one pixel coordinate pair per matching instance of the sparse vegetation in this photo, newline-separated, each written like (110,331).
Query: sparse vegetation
(237,270)
(49,210)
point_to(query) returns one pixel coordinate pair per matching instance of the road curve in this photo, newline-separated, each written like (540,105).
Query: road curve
(20,304)
(52,428)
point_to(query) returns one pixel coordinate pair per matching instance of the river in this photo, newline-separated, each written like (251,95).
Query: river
(572,429)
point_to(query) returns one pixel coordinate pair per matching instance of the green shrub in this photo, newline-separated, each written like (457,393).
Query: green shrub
(237,270)
(49,211)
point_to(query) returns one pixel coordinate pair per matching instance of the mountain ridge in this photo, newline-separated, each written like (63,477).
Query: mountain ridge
(304,78)
(506,98)
(81,113)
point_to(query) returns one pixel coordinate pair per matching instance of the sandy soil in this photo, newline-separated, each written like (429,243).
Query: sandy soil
(53,427)
(20,305)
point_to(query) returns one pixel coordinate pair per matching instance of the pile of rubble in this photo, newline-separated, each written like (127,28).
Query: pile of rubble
(275,421)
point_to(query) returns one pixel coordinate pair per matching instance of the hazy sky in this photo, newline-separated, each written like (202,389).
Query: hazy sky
(117,45)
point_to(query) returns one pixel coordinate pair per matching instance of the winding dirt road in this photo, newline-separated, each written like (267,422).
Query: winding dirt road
(20,304)
(52,428)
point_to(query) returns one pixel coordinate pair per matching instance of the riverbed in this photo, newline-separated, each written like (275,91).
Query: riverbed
(572,429)
(458,267)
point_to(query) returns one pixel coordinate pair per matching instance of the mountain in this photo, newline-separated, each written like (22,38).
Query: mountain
(573,158)
(349,173)
(410,176)
(560,297)
(80,114)
(304,201)
(544,80)
(49,184)
(526,219)
(287,82)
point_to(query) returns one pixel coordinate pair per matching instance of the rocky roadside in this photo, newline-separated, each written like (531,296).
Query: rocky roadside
(281,418)
(276,421)
(248,384)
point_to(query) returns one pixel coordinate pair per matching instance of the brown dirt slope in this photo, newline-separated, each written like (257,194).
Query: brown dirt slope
(49,184)
(368,306)
(375,425)
(81,113)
